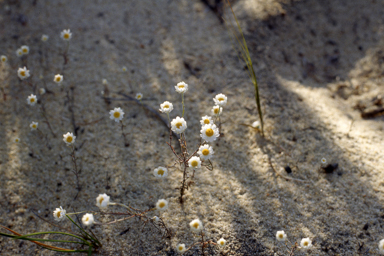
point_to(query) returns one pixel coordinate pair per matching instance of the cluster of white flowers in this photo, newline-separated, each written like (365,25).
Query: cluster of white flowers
(23,50)
(305,243)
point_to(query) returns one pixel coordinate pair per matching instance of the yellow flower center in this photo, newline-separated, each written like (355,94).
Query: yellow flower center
(181,248)
(34,126)
(161,204)
(22,73)
(101,200)
(25,50)
(206,121)
(305,243)
(138,96)
(160,172)
(58,214)
(195,225)
(32,100)
(216,110)
(281,236)
(194,163)
(205,152)
(58,79)
(221,99)
(181,86)
(166,106)
(209,132)
(66,35)
(3,59)
(178,125)
(116,114)
(222,242)
(87,218)
(17,140)
(69,139)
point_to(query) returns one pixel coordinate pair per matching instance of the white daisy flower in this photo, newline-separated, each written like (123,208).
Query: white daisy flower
(181,87)
(66,35)
(16,139)
(194,162)
(58,79)
(102,201)
(116,114)
(181,248)
(31,100)
(104,81)
(23,73)
(178,125)
(59,214)
(222,242)
(161,172)
(69,138)
(162,205)
(256,124)
(281,236)
(166,107)
(124,69)
(19,52)
(196,226)
(34,126)
(220,100)
(3,58)
(306,243)
(139,96)
(44,38)
(88,219)
(209,132)
(216,110)
(42,91)
(206,120)
(24,49)
(381,246)
(323,160)
(205,152)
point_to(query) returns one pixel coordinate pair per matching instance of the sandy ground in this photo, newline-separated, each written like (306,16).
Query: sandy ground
(319,65)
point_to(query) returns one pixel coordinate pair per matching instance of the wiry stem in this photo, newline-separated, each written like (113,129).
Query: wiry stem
(122,132)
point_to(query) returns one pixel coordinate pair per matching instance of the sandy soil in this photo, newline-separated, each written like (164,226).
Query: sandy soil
(319,65)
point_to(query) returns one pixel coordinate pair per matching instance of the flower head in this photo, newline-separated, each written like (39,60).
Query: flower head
(256,125)
(205,152)
(216,110)
(58,79)
(206,120)
(178,125)
(31,100)
(381,246)
(222,242)
(209,132)
(69,138)
(139,96)
(194,162)
(323,160)
(162,205)
(66,35)
(220,100)
(42,91)
(196,226)
(104,81)
(33,126)
(88,219)
(44,38)
(116,114)
(124,69)
(181,248)
(181,87)
(156,219)
(281,236)
(161,172)
(306,243)
(166,107)
(59,214)
(19,52)
(23,73)
(3,58)
(24,49)
(16,139)
(102,201)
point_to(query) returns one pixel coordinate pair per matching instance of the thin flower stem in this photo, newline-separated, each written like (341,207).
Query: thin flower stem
(75,171)
(122,132)
(182,102)
(122,205)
